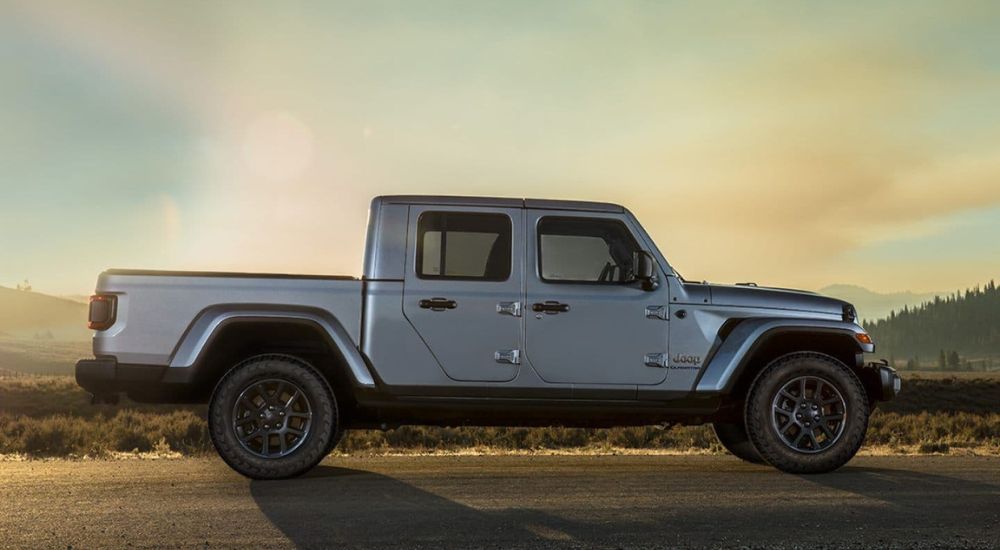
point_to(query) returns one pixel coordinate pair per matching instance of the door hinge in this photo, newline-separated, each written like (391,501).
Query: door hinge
(509,308)
(657,312)
(655,360)
(509,356)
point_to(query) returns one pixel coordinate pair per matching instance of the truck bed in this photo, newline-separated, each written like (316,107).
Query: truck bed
(225,274)
(157,309)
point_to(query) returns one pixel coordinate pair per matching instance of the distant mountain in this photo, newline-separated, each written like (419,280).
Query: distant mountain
(873,305)
(31,315)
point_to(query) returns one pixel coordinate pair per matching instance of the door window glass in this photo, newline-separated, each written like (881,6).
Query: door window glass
(462,245)
(585,250)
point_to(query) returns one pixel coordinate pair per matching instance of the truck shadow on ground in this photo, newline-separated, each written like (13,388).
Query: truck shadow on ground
(335,506)
(342,507)
(905,489)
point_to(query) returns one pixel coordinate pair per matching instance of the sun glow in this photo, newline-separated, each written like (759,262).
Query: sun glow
(798,147)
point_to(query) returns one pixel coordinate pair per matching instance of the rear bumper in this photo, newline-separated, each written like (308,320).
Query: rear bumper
(106,377)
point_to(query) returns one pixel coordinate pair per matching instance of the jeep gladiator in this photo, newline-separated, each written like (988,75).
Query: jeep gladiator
(488,311)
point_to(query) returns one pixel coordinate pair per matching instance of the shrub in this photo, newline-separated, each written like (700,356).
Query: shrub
(62,435)
(52,416)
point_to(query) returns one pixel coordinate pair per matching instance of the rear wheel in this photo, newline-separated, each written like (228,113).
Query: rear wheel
(272,417)
(807,413)
(733,436)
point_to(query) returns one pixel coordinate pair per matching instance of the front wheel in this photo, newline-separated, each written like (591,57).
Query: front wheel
(807,413)
(272,417)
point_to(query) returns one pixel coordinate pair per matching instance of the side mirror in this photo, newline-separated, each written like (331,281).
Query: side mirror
(644,269)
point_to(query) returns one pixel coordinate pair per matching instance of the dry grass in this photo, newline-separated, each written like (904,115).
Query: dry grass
(42,356)
(954,375)
(186,433)
(38,396)
(959,392)
(127,431)
(49,416)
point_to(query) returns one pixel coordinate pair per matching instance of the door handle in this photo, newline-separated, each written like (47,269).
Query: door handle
(438,304)
(550,307)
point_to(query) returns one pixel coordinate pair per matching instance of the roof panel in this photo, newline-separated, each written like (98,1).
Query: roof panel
(548,204)
(497,202)
(450,200)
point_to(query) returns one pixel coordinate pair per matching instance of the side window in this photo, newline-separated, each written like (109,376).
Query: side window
(584,250)
(463,245)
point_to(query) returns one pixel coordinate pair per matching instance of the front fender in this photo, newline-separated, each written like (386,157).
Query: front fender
(734,353)
(207,324)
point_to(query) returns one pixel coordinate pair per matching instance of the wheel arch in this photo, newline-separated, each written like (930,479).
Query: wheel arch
(755,343)
(222,336)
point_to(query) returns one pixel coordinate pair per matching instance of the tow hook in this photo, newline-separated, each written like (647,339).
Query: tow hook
(889,379)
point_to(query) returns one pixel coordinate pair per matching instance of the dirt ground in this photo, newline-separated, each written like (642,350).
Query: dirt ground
(502,501)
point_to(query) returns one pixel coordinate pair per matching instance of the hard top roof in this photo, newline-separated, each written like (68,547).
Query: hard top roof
(546,204)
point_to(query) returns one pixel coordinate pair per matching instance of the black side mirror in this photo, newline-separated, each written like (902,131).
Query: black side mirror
(644,269)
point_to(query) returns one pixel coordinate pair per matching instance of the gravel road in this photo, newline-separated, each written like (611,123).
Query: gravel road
(502,502)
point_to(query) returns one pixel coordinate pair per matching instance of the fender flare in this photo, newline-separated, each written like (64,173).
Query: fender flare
(199,335)
(733,355)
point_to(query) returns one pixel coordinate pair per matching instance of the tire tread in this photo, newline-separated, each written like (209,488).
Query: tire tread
(840,454)
(295,464)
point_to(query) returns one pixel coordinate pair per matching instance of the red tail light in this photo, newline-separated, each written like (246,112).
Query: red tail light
(103,308)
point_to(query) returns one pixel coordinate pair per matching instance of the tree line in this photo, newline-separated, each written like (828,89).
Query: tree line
(956,332)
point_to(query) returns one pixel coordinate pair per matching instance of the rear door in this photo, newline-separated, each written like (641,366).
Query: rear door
(463,288)
(584,323)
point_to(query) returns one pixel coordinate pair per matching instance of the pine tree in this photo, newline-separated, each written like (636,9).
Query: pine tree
(966,322)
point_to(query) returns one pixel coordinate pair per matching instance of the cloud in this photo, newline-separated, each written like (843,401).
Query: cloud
(758,141)
(796,161)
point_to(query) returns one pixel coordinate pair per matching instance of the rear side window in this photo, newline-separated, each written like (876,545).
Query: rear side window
(463,245)
(584,250)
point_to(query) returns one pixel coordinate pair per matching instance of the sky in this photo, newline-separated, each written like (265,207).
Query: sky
(793,144)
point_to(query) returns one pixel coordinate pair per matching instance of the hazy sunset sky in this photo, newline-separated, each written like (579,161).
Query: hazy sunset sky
(792,144)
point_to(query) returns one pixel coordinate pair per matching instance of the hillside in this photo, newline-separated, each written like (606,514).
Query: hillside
(41,356)
(30,315)
(875,305)
(960,331)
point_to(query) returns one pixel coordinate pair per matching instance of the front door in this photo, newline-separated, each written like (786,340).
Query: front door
(462,291)
(585,323)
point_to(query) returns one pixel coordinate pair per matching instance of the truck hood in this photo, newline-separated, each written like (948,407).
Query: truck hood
(775,298)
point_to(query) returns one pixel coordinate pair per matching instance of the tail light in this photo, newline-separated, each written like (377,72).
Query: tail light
(103,308)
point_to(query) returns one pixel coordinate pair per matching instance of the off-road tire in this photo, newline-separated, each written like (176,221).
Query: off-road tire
(323,431)
(764,436)
(733,436)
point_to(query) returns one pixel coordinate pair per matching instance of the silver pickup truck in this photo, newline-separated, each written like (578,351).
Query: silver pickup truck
(488,311)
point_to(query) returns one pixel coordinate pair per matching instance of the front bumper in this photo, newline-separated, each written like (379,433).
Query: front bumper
(105,378)
(888,384)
